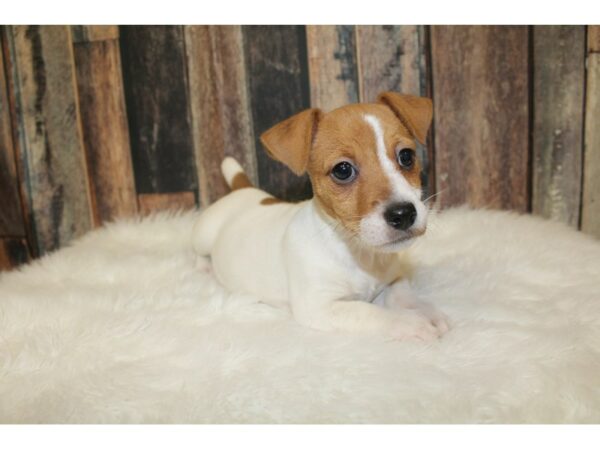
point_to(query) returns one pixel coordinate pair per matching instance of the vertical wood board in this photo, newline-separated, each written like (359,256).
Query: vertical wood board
(156,93)
(332,65)
(91,33)
(590,211)
(105,131)
(220,109)
(481,97)
(278,87)
(558,90)
(51,146)
(11,215)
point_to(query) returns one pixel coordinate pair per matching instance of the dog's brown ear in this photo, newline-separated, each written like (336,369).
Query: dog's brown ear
(290,141)
(415,113)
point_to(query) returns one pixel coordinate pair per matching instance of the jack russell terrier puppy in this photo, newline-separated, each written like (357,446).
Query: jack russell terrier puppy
(334,259)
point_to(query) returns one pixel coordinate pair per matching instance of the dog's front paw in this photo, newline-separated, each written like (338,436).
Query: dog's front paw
(415,325)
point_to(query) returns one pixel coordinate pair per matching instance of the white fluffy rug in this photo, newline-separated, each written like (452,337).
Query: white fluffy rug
(121,327)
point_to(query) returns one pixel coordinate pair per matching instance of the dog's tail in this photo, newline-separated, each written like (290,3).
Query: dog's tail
(234,174)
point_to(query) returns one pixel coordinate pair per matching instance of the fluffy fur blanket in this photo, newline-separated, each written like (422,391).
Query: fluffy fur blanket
(123,327)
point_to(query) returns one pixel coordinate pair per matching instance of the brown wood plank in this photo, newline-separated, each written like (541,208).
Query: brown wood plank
(593,44)
(220,106)
(278,87)
(149,203)
(590,211)
(156,94)
(50,142)
(105,131)
(393,58)
(13,253)
(558,87)
(332,65)
(90,33)
(481,113)
(11,215)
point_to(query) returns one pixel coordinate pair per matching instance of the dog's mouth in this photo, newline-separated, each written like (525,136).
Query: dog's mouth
(406,238)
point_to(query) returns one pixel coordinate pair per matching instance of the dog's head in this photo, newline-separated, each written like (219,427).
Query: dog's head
(362,163)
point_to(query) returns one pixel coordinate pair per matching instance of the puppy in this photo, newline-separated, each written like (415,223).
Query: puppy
(334,258)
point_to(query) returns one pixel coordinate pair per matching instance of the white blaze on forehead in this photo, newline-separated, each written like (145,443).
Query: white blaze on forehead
(374,229)
(402,189)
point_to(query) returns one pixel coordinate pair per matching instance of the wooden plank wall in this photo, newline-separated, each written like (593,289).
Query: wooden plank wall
(102,122)
(13,245)
(158,107)
(50,143)
(480,74)
(558,93)
(590,211)
(278,87)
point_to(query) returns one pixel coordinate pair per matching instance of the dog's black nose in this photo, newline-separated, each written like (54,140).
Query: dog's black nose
(401,216)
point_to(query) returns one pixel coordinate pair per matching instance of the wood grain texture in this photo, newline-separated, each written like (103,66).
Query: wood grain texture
(480,82)
(149,203)
(221,117)
(278,87)
(13,253)
(50,142)
(590,211)
(11,215)
(332,65)
(391,58)
(156,93)
(593,33)
(90,33)
(558,90)
(105,130)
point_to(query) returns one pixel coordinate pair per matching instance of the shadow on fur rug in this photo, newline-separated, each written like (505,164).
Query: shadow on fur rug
(122,327)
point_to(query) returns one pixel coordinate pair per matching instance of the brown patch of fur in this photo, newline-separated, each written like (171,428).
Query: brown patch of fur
(290,141)
(240,181)
(271,201)
(344,134)
(415,113)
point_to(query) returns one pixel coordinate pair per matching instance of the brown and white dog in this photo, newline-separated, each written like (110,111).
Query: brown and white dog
(334,259)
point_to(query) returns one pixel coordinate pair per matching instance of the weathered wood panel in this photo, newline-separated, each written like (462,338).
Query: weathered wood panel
(149,203)
(590,211)
(11,214)
(332,65)
(480,82)
(50,142)
(558,87)
(278,86)
(13,253)
(220,106)
(105,130)
(393,58)
(593,44)
(156,94)
(90,33)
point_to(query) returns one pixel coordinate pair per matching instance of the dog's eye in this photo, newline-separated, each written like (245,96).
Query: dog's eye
(406,158)
(343,172)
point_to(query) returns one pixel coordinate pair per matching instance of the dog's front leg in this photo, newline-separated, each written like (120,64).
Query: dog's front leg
(399,296)
(362,317)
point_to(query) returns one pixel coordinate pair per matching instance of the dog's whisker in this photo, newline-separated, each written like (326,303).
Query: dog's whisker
(435,195)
